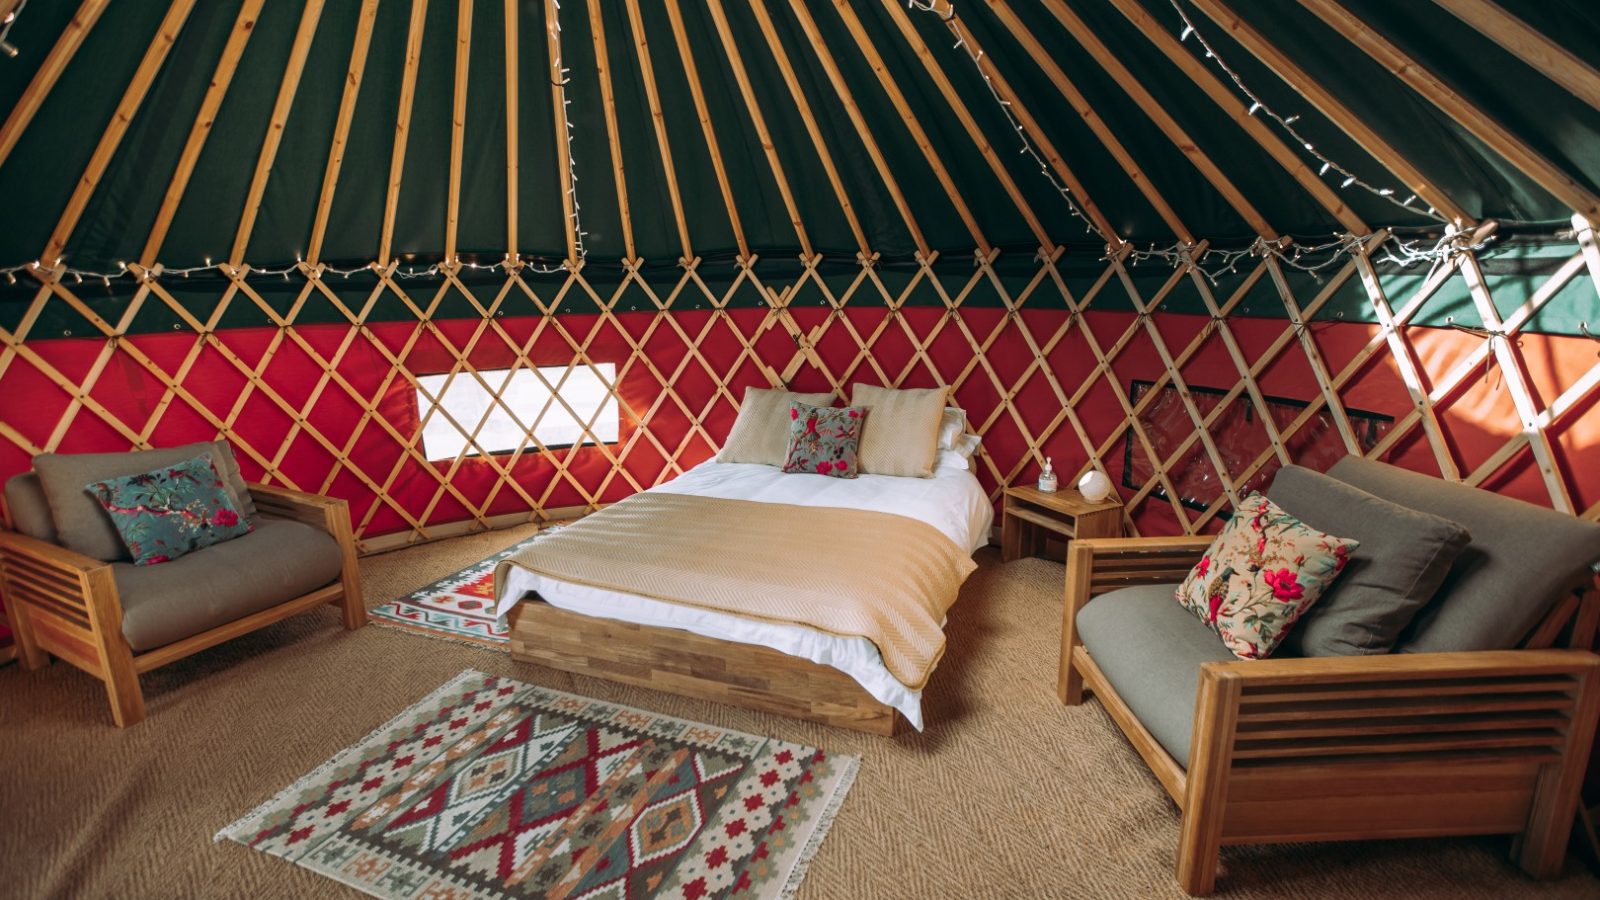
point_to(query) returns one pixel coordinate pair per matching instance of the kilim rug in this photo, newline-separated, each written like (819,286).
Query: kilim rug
(493,788)
(458,607)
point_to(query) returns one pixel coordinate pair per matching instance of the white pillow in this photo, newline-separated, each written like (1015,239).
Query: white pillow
(967,445)
(953,435)
(950,459)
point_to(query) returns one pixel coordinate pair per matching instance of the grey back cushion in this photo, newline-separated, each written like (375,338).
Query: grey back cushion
(1520,562)
(30,511)
(82,525)
(1403,558)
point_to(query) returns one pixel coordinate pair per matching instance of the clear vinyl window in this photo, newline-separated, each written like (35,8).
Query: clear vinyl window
(556,403)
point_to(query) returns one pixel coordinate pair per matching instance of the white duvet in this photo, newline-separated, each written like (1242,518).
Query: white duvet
(951,501)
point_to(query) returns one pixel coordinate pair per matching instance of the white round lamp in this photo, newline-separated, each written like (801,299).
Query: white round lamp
(1094,486)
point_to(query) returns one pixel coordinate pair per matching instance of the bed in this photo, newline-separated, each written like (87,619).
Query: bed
(758,662)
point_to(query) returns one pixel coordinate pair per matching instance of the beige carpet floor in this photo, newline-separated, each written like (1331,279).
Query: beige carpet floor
(1007,794)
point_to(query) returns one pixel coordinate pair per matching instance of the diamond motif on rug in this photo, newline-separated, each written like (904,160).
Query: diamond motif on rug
(494,788)
(458,607)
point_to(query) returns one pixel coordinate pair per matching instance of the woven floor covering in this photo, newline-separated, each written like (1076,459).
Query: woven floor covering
(494,788)
(457,607)
(1008,794)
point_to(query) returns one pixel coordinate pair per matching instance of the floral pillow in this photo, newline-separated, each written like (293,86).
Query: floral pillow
(1260,575)
(164,514)
(824,440)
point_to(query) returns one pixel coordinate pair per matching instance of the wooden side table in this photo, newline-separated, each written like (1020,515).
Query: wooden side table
(1030,514)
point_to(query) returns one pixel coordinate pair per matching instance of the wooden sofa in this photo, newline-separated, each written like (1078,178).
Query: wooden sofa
(1405,744)
(70,605)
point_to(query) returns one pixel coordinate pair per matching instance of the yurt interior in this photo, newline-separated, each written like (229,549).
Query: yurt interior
(800,448)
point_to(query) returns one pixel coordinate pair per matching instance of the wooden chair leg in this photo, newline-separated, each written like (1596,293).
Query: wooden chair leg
(29,654)
(1206,785)
(122,683)
(1069,682)
(1542,847)
(353,604)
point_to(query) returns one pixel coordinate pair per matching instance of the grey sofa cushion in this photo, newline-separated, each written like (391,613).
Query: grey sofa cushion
(1403,557)
(82,524)
(1150,649)
(279,561)
(30,509)
(1521,560)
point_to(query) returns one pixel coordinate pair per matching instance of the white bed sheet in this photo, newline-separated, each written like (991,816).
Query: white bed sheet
(951,501)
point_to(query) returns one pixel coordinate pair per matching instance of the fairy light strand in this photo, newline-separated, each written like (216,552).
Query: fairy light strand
(6,47)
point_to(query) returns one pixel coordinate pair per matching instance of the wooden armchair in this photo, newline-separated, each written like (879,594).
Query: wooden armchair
(67,604)
(1360,747)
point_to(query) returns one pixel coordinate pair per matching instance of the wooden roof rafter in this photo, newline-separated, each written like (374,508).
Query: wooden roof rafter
(1527,160)
(1228,101)
(1091,118)
(513,75)
(1034,131)
(132,98)
(1552,60)
(653,97)
(698,95)
(608,99)
(1330,106)
(558,105)
(205,118)
(1142,98)
(304,34)
(458,126)
(402,128)
(753,105)
(903,108)
(830,65)
(341,127)
(55,62)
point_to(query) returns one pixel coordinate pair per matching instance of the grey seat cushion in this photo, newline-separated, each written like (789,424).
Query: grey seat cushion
(82,525)
(279,561)
(1150,649)
(30,509)
(1403,558)
(1521,560)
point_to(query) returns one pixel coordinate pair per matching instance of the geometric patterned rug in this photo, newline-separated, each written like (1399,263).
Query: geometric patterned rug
(490,787)
(458,607)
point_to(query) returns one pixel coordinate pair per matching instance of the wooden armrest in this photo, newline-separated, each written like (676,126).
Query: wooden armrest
(284,503)
(15,545)
(58,581)
(1190,545)
(1097,565)
(1401,667)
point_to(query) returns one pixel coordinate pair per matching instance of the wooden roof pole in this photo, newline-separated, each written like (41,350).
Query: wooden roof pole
(848,100)
(227,65)
(280,115)
(781,57)
(753,105)
(1554,61)
(458,126)
(132,98)
(558,104)
(1336,112)
(50,70)
(608,97)
(1135,89)
(402,127)
(341,126)
(653,96)
(513,70)
(903,108)
(1529,161)
(1228,101)
(1086,111)
(698,95)
(1035,133)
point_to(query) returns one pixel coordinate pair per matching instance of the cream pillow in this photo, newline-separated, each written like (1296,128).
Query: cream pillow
(761,433)
(901,434)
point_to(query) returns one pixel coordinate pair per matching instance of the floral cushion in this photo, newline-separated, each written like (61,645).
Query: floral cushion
(1261,574)
(824,440)
(164,514)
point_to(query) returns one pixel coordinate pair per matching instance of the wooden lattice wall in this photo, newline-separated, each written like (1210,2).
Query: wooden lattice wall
(329,408)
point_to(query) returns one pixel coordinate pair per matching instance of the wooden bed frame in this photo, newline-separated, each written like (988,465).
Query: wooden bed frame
(680,662)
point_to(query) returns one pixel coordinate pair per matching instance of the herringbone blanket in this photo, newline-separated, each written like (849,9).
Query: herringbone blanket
(846,572)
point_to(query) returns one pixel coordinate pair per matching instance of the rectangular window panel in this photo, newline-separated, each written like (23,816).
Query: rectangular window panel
(525,393)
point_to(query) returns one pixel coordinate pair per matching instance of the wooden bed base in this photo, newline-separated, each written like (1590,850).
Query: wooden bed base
(679,662)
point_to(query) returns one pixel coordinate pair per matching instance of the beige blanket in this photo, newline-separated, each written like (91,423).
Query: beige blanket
(846,572)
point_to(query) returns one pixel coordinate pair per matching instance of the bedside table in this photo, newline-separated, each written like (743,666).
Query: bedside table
(1031,513)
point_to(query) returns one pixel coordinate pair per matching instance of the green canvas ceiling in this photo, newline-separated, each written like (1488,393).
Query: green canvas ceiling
(41,173)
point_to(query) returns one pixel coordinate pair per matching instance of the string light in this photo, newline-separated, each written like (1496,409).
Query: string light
(1287,124)
(6,47)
